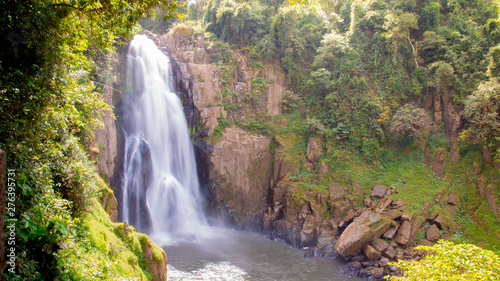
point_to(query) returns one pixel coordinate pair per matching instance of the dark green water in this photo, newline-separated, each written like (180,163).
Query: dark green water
(234,255)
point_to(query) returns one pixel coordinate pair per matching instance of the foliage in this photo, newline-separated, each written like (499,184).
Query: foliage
(290,101)
(54,54)
(451,262)
(411,121)
(482,111)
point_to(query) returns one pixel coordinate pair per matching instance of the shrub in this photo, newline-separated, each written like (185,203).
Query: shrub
(451,262)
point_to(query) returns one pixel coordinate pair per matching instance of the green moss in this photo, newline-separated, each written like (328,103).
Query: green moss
(103,251)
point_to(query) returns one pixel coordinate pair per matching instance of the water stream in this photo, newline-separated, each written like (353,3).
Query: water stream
(161,194)
(160,187)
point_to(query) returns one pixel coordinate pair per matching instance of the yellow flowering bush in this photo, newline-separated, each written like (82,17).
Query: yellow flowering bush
(449,261)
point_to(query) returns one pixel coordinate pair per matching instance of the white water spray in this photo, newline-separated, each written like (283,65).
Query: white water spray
(160,189)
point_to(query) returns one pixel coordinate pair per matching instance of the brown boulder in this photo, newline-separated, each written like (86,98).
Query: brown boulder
(379,191)
(314,149)
(390,254)
(432,234)
(439,221)
(391,232)
(308,234)
(425,242)
(404,232)
(380,244)
(406,217)
(337,192)
(372,253)
(454,199)
(367,202)
(392,214)
(399,204)
(360,232)
(382,204)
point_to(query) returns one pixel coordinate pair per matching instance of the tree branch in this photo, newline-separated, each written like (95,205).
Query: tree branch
(414,49)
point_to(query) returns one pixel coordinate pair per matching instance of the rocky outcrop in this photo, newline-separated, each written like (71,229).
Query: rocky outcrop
(452,125)
(242,170)
(199,74)
(439,161)
(156,259)
(109,204)
(104,148)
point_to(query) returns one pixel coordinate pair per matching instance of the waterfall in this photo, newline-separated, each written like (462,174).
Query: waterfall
(160,189)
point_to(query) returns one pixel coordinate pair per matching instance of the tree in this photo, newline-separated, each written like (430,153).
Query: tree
(448,261)
(410,121)
(482,110)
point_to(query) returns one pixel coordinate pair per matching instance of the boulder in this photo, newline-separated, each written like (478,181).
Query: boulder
(390,254)
(360,232)
(425,242)
(406,217)
(404,232)
(432,234)
(308,234)
(314,149)
(323,168)
(439,221)
(392,214)
(399,204)
(377,272)
(391,232)
(337,192)
(382,204)
(109,203)
(454,199)
(372,253)
(367,202)
(379,244)
(379,191)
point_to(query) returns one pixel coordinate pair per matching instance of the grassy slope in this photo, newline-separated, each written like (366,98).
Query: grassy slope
(473,221)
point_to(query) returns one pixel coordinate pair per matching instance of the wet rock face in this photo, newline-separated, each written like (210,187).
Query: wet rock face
(242,165)
(360,232)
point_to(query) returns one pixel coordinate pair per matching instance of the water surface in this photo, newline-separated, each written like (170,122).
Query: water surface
(234,255)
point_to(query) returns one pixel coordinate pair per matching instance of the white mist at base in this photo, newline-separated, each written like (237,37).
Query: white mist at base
(222,271)
(160,189)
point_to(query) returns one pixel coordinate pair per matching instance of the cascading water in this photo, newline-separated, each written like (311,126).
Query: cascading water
(160,189)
